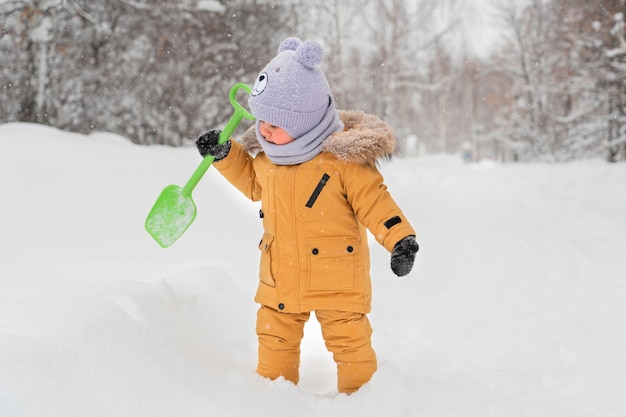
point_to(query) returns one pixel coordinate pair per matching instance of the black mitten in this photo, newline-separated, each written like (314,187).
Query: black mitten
(207,145)
(403,256)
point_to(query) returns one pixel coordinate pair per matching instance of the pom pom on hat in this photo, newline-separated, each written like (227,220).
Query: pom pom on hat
(310,54)
(289,44)
(292,91)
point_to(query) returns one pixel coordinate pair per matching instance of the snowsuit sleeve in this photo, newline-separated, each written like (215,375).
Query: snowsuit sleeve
(238,169)
(374,207)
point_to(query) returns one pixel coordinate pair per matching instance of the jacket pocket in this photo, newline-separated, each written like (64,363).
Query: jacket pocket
(332,263)
(265,269)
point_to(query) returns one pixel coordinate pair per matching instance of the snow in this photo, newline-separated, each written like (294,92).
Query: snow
(210,6)
(515,306)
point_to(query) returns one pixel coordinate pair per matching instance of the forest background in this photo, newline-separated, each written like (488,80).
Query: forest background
(550,85)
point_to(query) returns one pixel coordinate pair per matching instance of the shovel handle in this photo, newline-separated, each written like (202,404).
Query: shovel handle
(240,113)
(233,122)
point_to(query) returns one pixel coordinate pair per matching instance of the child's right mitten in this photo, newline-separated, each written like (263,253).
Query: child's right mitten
(403,256)
(207,144)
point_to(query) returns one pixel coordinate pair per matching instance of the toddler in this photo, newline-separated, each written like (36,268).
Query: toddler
(314,170)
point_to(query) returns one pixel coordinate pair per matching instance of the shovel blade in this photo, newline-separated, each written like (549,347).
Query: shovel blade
(170,216)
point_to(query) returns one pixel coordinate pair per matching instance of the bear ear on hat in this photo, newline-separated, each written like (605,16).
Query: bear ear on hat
(289,44)
(309,54)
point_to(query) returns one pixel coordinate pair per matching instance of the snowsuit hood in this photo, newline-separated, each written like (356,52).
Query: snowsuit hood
(364,140)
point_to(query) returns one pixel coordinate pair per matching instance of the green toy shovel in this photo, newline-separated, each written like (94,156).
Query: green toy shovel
(174,210)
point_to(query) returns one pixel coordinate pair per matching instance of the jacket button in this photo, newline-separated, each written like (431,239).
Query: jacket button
(261,215)
(281,306)
(350,249)
(315,251)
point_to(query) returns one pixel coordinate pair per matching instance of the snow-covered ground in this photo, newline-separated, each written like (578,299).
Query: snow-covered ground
(516,305)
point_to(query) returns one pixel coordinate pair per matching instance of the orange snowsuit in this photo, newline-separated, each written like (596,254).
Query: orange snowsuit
(314,251)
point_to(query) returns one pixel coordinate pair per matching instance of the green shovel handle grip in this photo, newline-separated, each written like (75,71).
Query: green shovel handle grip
(235,119)
(240,113)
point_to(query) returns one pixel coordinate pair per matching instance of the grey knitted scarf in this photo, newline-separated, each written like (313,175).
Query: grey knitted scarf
(305,147)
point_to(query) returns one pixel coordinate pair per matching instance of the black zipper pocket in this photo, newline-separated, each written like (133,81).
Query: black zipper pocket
(317,190)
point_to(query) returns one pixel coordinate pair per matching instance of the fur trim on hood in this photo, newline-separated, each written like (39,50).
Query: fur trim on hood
(364,140)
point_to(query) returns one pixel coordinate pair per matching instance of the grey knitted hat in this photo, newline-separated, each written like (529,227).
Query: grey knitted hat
(292,92)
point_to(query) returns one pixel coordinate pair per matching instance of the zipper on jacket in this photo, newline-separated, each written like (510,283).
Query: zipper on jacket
(317,190)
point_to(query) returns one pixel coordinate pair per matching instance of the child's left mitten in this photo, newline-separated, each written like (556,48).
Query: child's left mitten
(403,256)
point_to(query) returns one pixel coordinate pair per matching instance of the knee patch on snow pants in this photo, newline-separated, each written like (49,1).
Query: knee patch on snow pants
(347,336)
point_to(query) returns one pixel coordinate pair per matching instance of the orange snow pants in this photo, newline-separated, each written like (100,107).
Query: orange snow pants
(347,336)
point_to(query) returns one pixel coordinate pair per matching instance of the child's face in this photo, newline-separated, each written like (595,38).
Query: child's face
(274,134)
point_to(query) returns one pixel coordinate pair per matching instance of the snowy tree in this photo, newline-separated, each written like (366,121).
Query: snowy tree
(566,81)
(160,71)
(155,71)
(530,64)
(27,28)
(378,54)
(592,94)
(605,52)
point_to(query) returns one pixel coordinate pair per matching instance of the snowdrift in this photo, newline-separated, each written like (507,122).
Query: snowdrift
(514,308)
